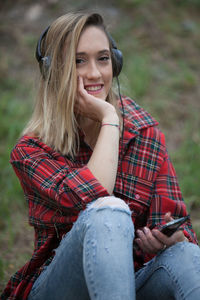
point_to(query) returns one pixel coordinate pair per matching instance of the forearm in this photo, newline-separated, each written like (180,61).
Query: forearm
(104,160)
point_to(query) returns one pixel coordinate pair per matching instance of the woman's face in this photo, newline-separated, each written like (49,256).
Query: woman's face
(93,62)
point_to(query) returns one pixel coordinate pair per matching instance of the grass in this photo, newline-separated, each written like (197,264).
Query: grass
(189,171)
(13,115)
(161,71)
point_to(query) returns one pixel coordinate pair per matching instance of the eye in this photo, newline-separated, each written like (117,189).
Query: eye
(79,60)
(104,58)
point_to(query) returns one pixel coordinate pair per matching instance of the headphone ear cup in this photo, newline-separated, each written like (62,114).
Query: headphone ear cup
(117,62)
(117,57)
(45,63)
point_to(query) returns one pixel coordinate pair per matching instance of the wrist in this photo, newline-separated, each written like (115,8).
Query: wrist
(110,119)
(110,124)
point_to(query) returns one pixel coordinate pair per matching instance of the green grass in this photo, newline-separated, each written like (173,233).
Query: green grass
(187,162)
(14,109)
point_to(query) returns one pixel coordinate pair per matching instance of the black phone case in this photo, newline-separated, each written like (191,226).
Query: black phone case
(171,227)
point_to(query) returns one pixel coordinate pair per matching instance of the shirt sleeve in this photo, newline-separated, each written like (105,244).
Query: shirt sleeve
(54,181)
(167,197)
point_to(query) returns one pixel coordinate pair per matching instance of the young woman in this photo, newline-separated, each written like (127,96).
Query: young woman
(97,178)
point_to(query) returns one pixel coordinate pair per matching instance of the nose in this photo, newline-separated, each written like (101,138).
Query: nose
(93,71)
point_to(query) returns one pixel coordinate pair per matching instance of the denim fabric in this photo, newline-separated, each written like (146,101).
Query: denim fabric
(173,274)
(94,261)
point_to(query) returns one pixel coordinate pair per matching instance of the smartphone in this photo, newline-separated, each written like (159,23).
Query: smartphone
(171,227)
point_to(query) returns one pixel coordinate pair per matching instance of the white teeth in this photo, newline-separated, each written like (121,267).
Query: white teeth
(93,88)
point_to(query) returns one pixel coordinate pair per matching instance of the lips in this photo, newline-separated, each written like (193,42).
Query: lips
(95,88)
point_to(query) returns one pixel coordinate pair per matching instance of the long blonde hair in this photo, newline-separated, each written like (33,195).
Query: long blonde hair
(53,120)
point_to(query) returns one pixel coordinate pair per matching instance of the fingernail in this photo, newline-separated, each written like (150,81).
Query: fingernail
(146,229)
(138,240)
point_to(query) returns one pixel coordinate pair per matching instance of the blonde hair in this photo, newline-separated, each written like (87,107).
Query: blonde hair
(53,120)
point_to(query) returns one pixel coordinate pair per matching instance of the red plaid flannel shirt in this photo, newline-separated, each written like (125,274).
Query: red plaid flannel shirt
(57,188)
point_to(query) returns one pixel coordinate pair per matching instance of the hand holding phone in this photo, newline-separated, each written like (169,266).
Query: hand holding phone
(171,227)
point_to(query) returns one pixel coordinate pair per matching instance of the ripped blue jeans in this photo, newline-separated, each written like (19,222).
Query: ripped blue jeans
(95,261)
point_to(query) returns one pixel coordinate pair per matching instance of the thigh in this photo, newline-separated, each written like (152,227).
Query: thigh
(64,277)
(172,274)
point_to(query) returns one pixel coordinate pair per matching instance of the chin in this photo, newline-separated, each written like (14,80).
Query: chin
(103,97)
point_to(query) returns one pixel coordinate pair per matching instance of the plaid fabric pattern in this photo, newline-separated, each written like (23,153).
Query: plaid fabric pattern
(57,188)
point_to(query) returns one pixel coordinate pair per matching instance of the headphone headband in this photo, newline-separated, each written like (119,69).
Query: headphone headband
(45,61)
(38,53)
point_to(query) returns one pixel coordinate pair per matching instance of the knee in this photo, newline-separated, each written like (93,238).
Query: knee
(109,201)
(182,256)
(182,263)
(110,212)
(191,253)
(186,250)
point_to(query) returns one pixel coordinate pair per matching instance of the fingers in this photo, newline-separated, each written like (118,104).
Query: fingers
(81,104)
(92,107)
(168,217)
(81,89)
(82,95)
(147,242)
(153,241)
(178,236)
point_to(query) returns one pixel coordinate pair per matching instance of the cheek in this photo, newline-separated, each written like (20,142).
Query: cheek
(109,84)
(109,77)
(79,72)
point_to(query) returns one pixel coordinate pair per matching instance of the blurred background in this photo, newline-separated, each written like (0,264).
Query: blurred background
(160,41)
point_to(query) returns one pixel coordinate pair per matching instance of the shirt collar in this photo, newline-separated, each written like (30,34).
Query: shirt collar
(135,119)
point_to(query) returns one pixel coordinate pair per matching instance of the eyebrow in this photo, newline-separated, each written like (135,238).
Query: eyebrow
(99,52)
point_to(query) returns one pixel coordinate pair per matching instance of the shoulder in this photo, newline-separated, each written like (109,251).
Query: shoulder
(139,117)
(139,122)
(29,147)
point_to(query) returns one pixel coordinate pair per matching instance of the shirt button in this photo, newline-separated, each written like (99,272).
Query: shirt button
(137,196)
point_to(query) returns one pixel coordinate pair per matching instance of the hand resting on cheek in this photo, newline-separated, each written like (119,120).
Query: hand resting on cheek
(91,107)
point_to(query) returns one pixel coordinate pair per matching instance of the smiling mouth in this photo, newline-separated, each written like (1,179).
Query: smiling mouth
(94,88)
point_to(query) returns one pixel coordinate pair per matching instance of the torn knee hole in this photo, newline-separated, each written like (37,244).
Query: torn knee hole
(109,201)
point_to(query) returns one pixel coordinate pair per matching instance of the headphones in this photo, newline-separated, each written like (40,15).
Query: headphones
(45,61)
